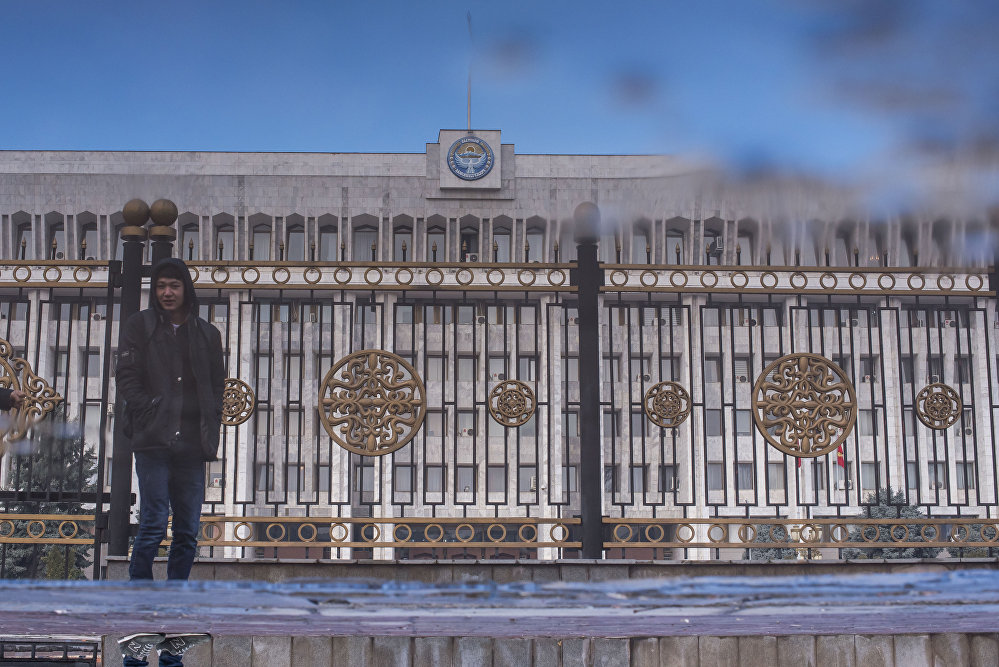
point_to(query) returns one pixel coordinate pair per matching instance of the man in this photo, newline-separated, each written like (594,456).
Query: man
(171,374)
(10,398)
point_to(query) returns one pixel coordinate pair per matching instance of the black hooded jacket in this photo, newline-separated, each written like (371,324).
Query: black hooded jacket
(149,374)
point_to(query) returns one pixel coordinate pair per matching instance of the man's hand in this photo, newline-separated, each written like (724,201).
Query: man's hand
(17,398)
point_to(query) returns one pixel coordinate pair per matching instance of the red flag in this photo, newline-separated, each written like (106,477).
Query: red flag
(840,461)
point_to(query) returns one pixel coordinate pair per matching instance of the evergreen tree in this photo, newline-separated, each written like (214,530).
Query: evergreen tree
(888,504)
(765,533)
(974,546)
(59,462)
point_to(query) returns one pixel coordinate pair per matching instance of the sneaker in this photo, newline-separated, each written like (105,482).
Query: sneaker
(139,645)
(180,644)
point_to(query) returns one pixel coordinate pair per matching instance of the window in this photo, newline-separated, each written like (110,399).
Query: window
(435,423)
(641,247)
(527,368)
(935,366)
(24,243)
(965,475)
(675,252)
(92,423)
(713,422)
(435,245)
(637,425)
(909,423)
(572,369)
(62,364)
(963,367)
(612,427)
(668,480)
(89,245)
(466,479)
(638,474)
(294,248)
(712,369)
(669,369)
(466,423)
(293,424)
(436,369)
(869,368)
(364,482)
(868,424)
(265,476)
(907,368)
(744,476)
(912,473)
(501,244)
(323,475)
(224,243)
(743,422)
(329,249)
(497,368)
(775,474)
(93,364)
(364,238)
(402,480)
(433,479)
(938,475)
(570,478)
(570,424)
(743,367)
(466,314)
(294,477)
(261,243)
(868,476)
(496,480)
(466,369)
(402,244)
(535,244)
(527,479)
(610,484)
(716,477)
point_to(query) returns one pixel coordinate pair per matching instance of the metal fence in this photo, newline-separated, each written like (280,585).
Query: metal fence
(470,486)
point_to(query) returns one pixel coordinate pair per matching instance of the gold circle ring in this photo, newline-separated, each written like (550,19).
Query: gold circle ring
(315,532)
(347,279)
(489,532)
(950,282)
(439,277)
(743,279)
(858,280)
(459,277)
(83,271)
(794,280)
(342,538)
(627,538)
(440,532)
(312,271)
(520,533)
(493,273)
(886,277)
(224,272)
(678,283)
(249,531)
(247,272)
(529,280)
(72,524)
(378,276)
(648,534)
(827,276)
(912,285)
(688,538)
(561,277)
(399,276)
(618,278)
(58,274)
(977,286)
(22,277)
(281,535)
(377,533)
(649,278)
(33,534)
(558,526)
(714,279)
(409,532)
(771,276)
(458,528)
(285,275)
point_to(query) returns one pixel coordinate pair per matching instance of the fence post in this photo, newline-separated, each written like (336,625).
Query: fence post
(163,213)
(136,213)
(588,279)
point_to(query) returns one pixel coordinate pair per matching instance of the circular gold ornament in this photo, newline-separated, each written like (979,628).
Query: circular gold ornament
(938,406)
(667,404)
(238,402)
(511,403)
(804,405)
(372,402)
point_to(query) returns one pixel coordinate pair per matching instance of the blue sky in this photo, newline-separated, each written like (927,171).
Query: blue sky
(752,82)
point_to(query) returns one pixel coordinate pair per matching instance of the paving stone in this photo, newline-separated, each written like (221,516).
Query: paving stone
(392,652)
(610,652)
(839,650)
(316,651)
(511,652)
(950,650)
(796,651)
(271,652)
(718,651)
(472,652)
(547,652)
(432,651)
(199,655)
(232,651)
(874,651)
(111,654)
(913,650)
(645,652)
(351,651)
(678,652)
(757,651)
(575,653)
(984,650)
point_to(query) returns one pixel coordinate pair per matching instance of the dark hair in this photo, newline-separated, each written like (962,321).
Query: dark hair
(171,271)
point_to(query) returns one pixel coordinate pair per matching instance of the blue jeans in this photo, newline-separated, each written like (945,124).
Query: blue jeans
(167,483)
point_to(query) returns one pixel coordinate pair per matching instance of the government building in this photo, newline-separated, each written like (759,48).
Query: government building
(769,354)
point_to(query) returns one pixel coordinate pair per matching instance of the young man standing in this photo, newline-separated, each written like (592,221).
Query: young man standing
(171,374)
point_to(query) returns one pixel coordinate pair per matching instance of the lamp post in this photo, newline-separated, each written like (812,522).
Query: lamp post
(136,213)
(588,277)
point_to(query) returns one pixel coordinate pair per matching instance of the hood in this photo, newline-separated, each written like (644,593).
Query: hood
(190,296)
